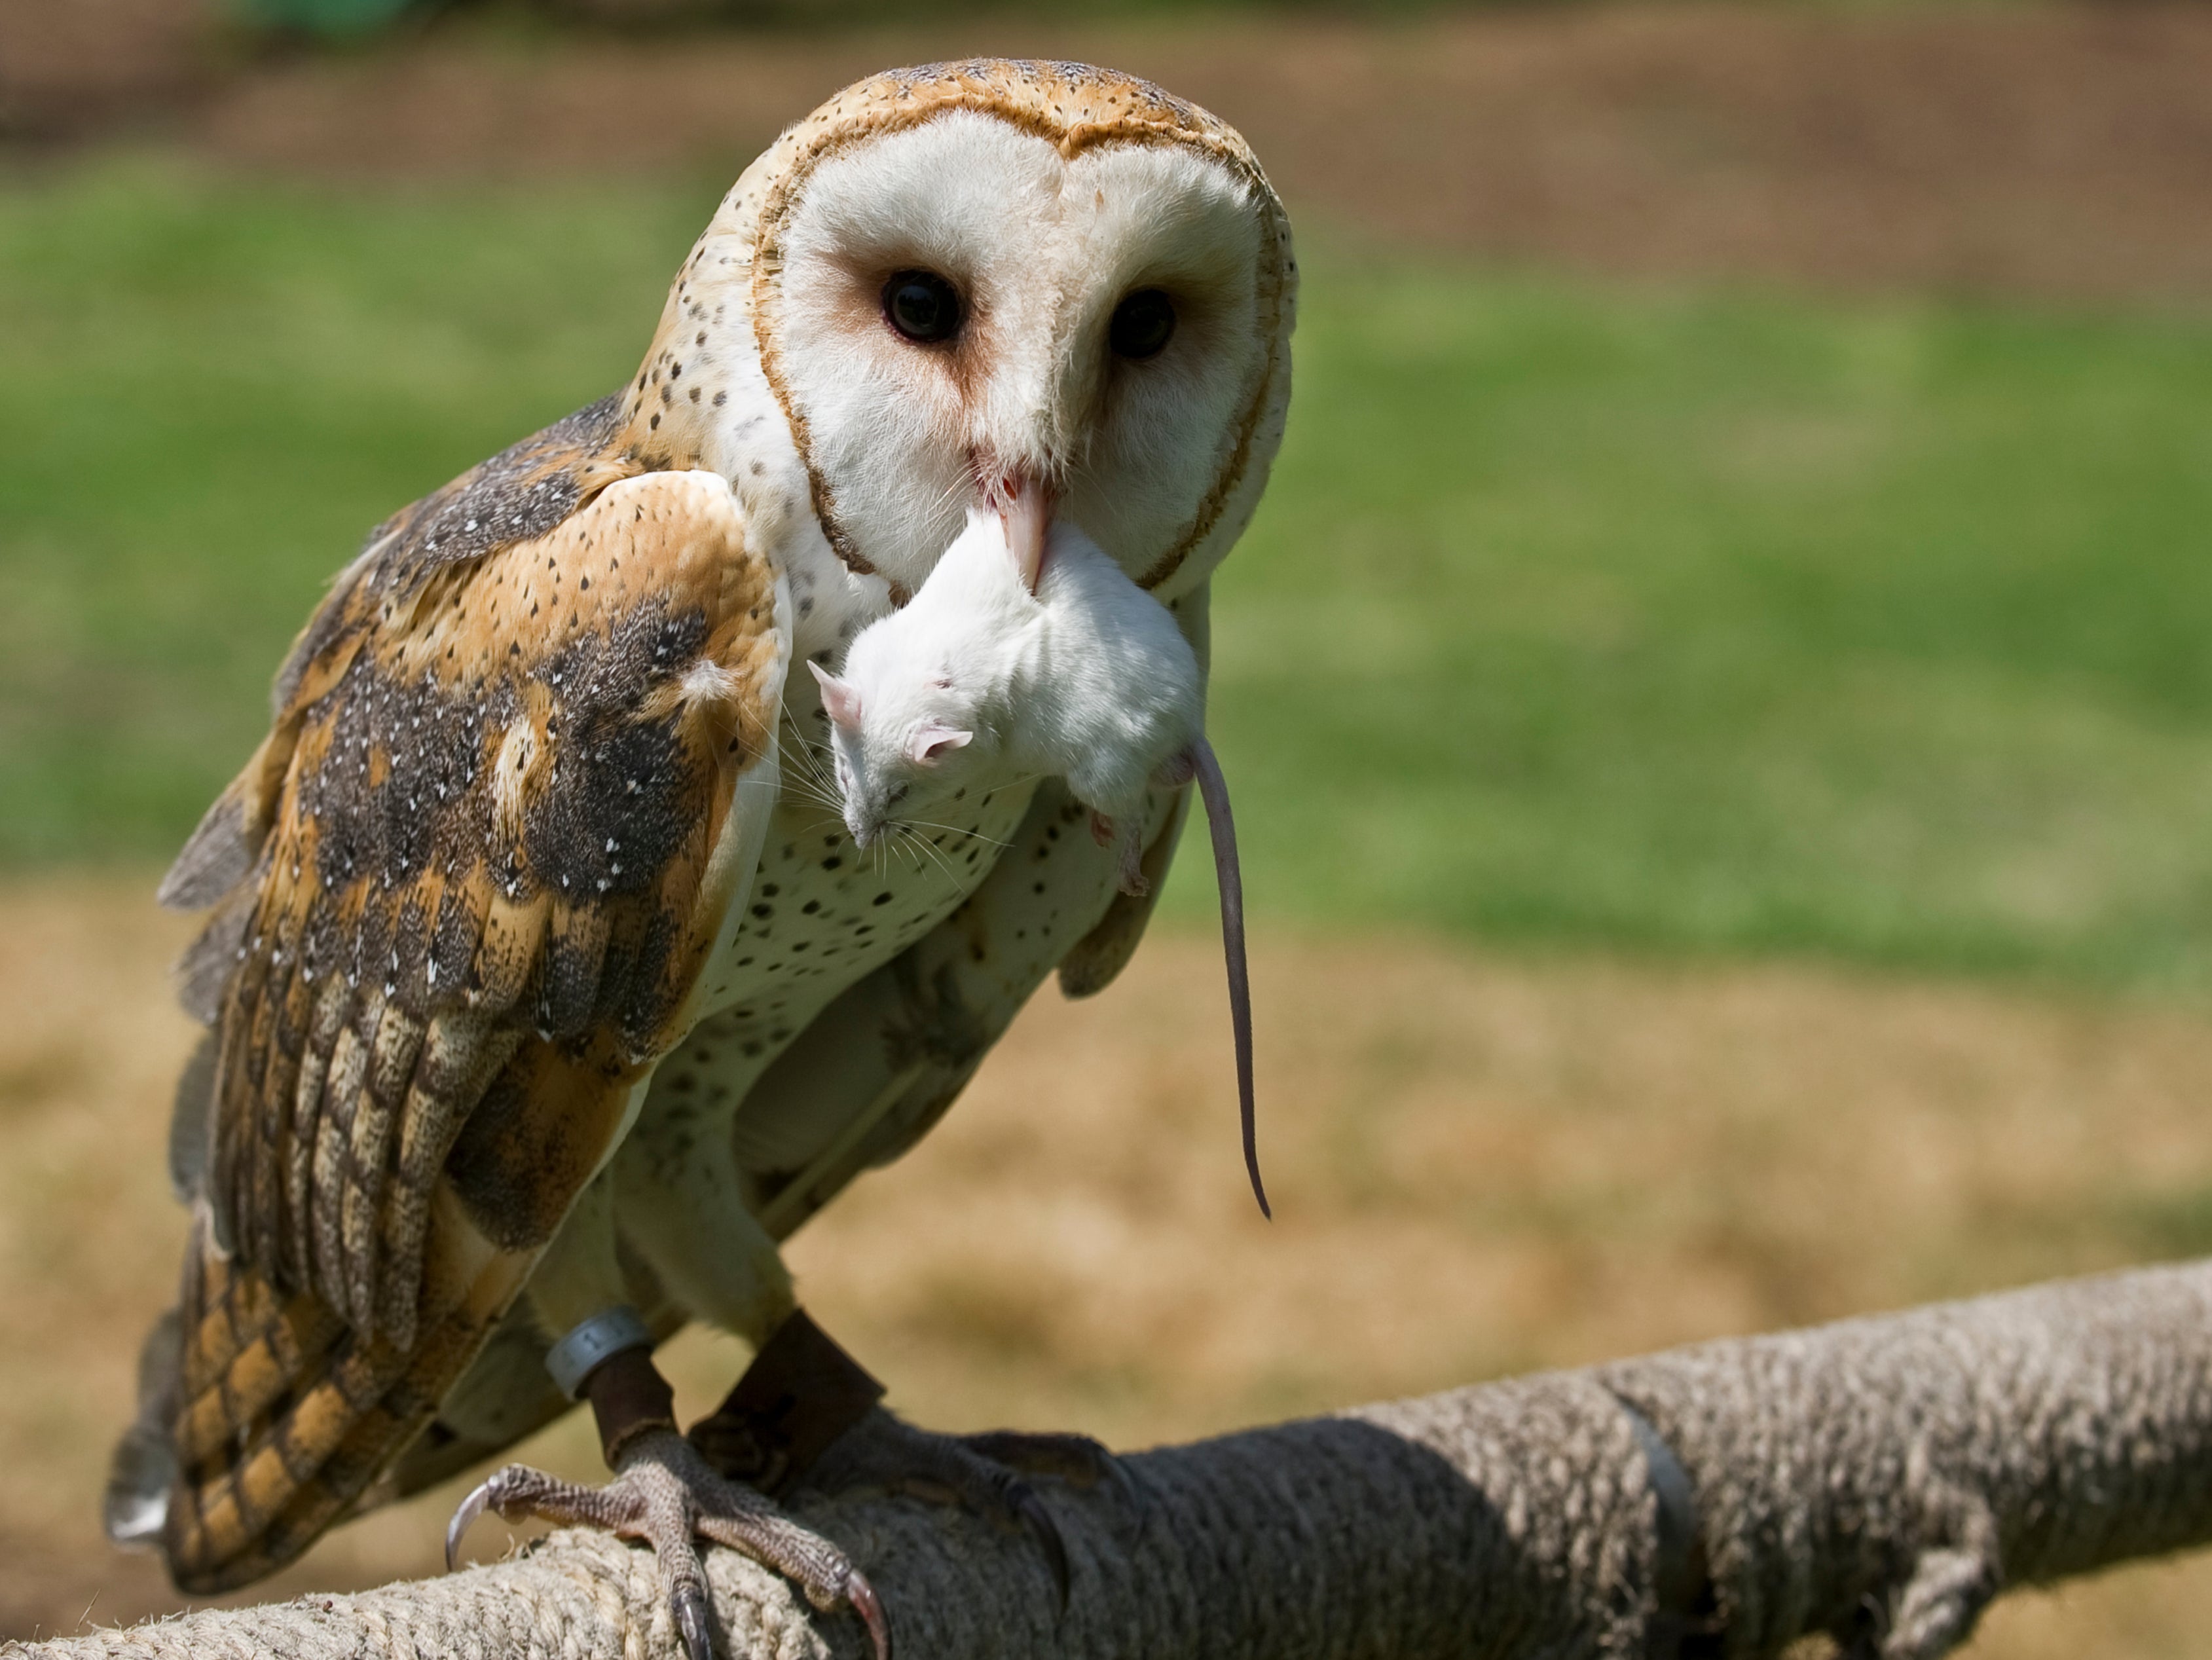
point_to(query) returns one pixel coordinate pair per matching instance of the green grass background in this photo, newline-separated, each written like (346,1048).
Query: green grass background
(1702,621)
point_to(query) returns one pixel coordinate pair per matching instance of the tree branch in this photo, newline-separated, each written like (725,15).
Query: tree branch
(1879,1479)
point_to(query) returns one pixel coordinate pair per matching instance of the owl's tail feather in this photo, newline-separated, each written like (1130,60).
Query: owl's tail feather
(263,1417)
(135,1506)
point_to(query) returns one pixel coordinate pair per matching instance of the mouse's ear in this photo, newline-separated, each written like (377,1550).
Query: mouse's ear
(840,697)
(931,742)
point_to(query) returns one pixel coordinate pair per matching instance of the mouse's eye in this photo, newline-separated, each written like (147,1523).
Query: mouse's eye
(921,305)
(897,795)
(1142,324)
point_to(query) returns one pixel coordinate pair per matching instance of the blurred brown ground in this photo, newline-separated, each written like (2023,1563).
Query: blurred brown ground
(2054,151)
(1479,1167)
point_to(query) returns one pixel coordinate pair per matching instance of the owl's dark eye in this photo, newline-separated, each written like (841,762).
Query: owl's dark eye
(921,305)
(1142,324)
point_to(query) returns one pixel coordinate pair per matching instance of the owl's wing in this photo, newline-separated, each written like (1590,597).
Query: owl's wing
(480,861)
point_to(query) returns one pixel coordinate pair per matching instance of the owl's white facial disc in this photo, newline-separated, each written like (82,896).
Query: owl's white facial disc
(1040,249)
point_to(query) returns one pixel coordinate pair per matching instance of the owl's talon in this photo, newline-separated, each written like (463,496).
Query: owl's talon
(1118,1476)
(1046,1532)
(1080,1460)
(464,1517)
(689,1603)
(866,1603)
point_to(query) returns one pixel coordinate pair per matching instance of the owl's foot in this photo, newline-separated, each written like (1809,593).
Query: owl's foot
(987,1474)
(664,1493)
(806,1414)
(1077,1460)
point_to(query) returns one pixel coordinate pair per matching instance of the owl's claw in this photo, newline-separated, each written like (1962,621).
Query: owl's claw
(689,1603)
(1078,1459)
(668,1496)
(862,1596)
(1046,1532)
(464,1517)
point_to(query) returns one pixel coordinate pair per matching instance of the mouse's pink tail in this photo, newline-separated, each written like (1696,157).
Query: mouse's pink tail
(1229,875)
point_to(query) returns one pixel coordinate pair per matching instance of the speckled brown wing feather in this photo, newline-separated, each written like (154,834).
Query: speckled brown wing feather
(489,845)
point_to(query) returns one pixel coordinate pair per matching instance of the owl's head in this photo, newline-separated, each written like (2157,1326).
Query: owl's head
(978,275)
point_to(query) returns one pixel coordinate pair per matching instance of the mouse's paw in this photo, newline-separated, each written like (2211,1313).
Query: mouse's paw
(1129,874)
(1126,836)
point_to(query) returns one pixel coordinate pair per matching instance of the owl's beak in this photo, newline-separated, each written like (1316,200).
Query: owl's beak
(1024,503)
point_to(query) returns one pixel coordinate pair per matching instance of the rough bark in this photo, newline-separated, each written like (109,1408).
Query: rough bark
(1879,1479)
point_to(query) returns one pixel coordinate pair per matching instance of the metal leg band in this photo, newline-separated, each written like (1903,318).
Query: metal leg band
(594,1341)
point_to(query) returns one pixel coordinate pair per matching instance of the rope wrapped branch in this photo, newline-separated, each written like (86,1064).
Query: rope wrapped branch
(1880,1479)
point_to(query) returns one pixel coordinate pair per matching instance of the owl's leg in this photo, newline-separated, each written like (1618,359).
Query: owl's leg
(664,1493)
(805,1415)
(675,1203)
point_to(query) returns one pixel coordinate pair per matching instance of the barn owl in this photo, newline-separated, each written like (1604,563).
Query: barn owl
(545,992)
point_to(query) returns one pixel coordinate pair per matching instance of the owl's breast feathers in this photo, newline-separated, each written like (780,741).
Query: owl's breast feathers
(462,893)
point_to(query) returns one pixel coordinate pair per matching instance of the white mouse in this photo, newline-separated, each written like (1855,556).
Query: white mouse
(1029,651)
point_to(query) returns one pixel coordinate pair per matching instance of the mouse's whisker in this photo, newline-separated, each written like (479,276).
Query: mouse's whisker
(936,845)
(966,831)
(807,789)
(804,748)
(813,793)
(923,847)
(810,763)
(915,862)
(835,818)
(937,857)
(806,780)
(795,767)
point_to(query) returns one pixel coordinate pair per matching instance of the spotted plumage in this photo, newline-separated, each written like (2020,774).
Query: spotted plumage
(539,973)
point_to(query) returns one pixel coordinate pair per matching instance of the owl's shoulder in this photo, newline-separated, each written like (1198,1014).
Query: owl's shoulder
(526,490)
